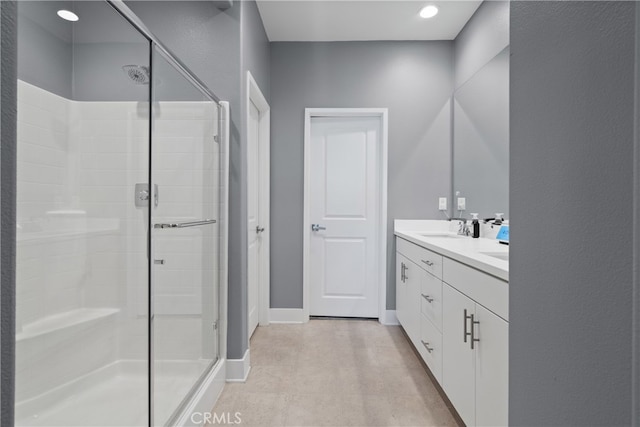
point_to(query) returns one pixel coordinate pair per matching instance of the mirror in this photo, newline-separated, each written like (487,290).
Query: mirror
(481,140)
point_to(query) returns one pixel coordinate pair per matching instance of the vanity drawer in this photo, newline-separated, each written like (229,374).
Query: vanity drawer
(430,347)
(428,260)
(483,288)
(431,299)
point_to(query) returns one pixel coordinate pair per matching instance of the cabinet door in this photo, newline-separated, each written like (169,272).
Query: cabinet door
(458,360)
(492,369)
(401,289)
(414,276)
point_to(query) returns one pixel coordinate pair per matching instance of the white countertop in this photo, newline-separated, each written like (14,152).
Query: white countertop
(441,237)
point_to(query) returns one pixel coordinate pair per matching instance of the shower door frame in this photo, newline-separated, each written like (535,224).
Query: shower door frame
(156,45)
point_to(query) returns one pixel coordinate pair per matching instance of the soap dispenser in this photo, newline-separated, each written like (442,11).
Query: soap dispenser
(475,223)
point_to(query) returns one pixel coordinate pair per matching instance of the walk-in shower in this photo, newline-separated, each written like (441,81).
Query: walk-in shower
(120,239)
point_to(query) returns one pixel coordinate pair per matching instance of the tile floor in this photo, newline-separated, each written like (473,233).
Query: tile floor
(334,373)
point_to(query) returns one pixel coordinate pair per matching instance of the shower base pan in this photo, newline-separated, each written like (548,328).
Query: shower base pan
(116,395)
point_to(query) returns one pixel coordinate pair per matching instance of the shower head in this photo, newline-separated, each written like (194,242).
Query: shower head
(139,74)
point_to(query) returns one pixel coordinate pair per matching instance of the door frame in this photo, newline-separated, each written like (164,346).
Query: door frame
(255,96)
(383,115)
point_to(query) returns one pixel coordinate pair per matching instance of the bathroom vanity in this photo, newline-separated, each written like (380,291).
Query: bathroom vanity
(452,299)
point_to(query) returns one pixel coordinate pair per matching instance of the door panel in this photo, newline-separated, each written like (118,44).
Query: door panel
(341,280)
(458,360)
(492,369)
(184,239)
(414,278)
(344,187)
(346,174)
(255,242)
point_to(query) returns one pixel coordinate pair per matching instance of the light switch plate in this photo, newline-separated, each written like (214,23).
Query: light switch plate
(442,203)
(462,203)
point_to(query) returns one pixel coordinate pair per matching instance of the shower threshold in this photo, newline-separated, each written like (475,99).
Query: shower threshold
(115,395)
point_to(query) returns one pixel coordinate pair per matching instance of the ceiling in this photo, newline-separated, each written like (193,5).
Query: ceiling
(343,20)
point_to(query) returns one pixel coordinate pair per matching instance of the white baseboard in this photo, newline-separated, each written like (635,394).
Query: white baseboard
(238,369)
(390,318)
(205,398)
(286,315)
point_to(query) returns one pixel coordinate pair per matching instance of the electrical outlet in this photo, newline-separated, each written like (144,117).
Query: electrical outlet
(462,203)
(442,203)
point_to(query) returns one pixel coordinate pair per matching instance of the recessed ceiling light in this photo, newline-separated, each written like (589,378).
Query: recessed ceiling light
(428,11)
(68,15)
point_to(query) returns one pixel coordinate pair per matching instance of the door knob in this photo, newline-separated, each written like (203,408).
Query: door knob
(259,229)
(317,227)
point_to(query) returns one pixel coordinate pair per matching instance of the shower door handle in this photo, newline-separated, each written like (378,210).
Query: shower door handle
(185,224)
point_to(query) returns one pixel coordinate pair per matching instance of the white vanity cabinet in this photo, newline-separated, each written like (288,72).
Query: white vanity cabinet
(475,369)
(456,316)
(408,297)
(420,296)
(475,360)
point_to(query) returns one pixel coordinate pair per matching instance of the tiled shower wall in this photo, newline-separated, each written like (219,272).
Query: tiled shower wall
(82,242)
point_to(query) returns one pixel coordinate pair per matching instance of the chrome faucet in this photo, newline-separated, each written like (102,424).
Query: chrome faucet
(464,228)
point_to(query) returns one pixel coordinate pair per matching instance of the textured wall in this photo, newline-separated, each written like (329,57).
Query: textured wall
(8,95)
(414,80)
(636,247)
(255,57)
(572,124)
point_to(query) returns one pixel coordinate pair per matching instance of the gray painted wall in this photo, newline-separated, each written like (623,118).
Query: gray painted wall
(635,374)
(255,57)
(81,60)
(8,62)
(485,35)
(572,124)
(45,60)
(256,50)
(414,80)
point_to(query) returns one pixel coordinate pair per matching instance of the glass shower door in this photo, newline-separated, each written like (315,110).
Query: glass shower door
(184,242)
(82,265)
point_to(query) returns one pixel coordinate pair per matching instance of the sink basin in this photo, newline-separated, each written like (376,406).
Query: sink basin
(442,235)
(504,256)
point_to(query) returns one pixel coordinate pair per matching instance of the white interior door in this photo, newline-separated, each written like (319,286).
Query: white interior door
(343,202)
(255,240)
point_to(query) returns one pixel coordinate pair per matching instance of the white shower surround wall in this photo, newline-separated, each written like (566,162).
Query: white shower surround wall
(82,263)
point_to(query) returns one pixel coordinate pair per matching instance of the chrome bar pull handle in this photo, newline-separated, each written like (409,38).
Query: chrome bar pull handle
(317,227)
(473,331)
(185,224)
(464,320)
(428,298)
(426,345)
(429,263)
(402,272)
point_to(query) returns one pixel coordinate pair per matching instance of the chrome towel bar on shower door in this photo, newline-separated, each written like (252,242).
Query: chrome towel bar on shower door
(185,224)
